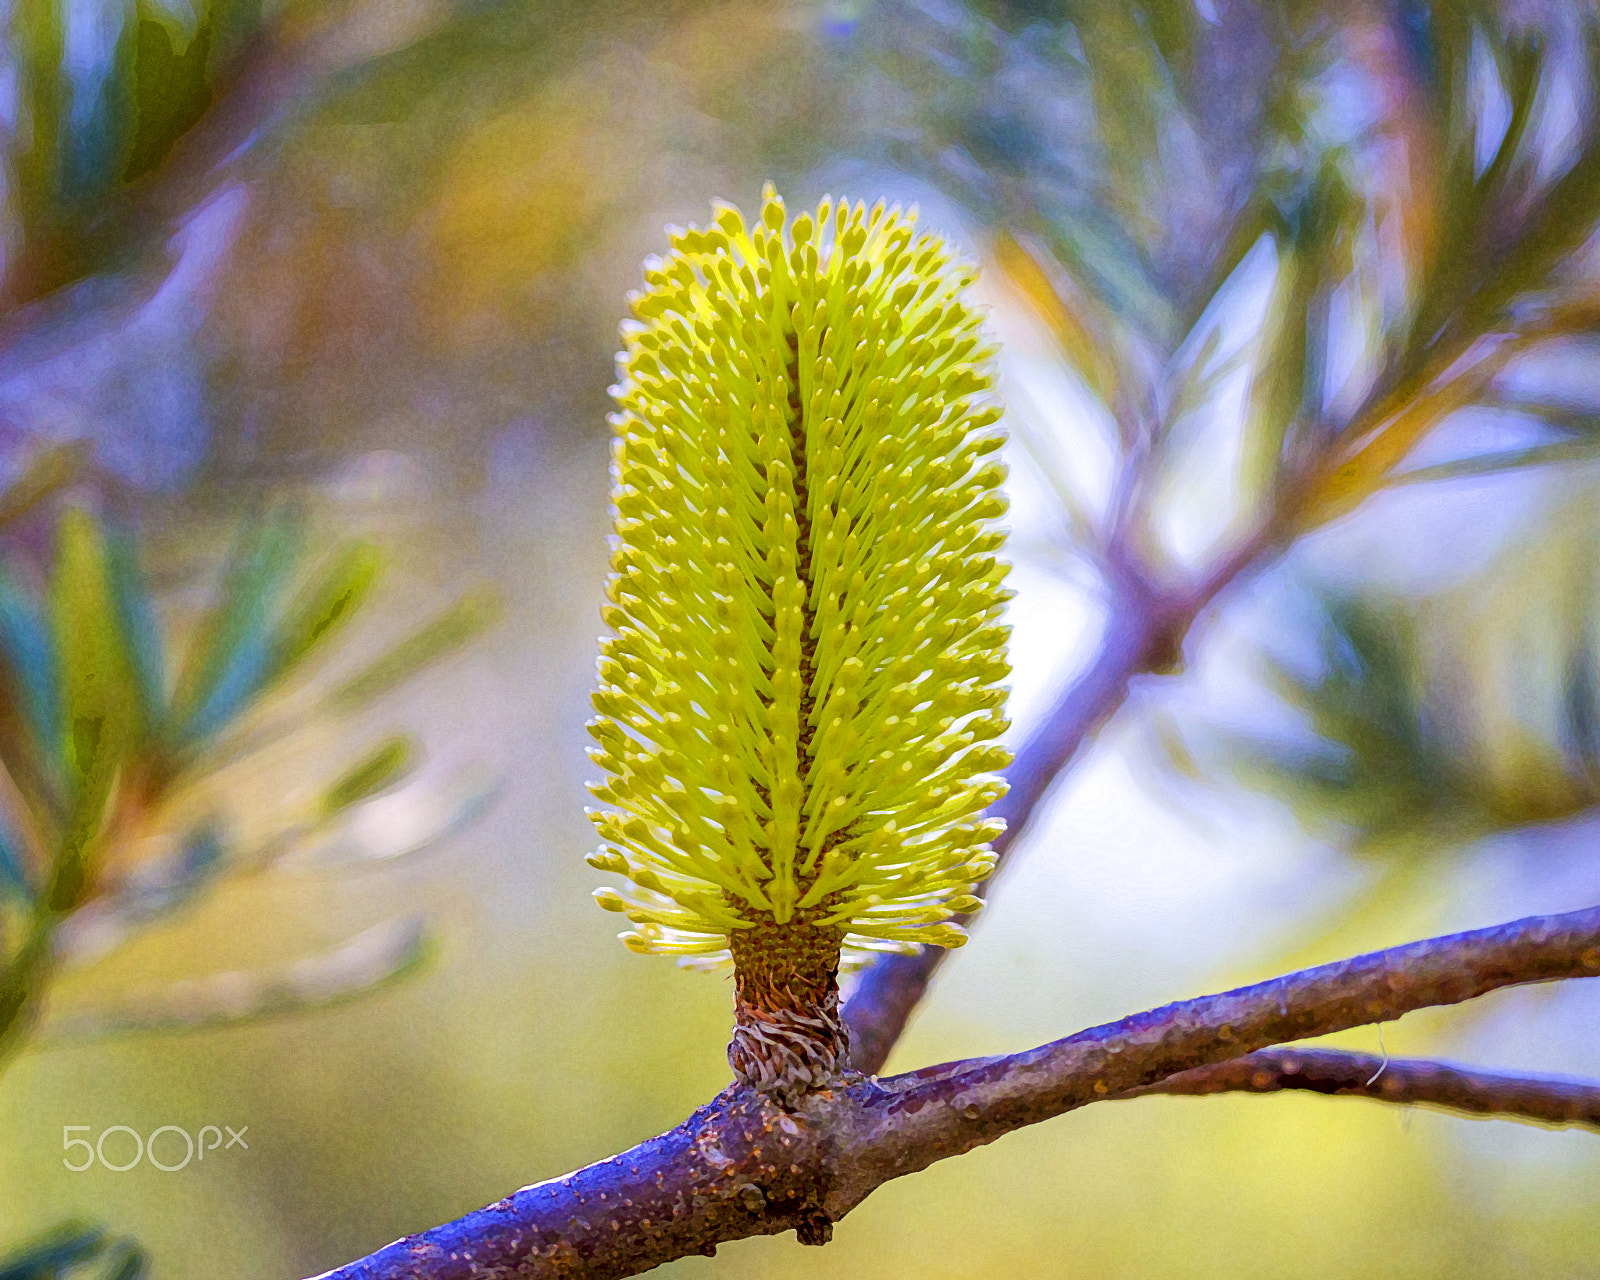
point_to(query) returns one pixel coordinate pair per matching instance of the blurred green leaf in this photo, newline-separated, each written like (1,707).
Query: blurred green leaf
(97,134)
(29,652)
(69,1250)
(171,88)
(130,1263)
(93,840)
(100,710)
(436,807)
(1373,766)
(1498,234)
(467,618)
(137,618)
(38,43)
(1130,87)
(148,892)
(325,604)
(1434,723)
(232,655)
(1519,63)
(1562,219)
(1103,256)
(98,755)
(1173,25)
(378,770)
(13,879)
(97,116)
(55,1253)
(373,959)
(1450,257)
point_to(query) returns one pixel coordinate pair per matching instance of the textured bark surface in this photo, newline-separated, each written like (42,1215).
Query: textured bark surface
(737,1167)
(745,1166)
(788,1035)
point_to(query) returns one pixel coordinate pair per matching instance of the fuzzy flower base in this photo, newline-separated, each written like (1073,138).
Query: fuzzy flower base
(788,1036)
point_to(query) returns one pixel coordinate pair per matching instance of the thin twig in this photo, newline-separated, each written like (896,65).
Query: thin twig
(1553,1100)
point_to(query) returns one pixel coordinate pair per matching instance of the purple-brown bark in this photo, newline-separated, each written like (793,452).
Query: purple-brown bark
(741,1166)
(1552,1100)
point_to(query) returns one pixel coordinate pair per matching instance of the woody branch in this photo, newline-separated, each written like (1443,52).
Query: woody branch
(741,1166)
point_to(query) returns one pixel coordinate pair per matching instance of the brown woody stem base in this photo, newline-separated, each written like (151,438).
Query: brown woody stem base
(788,1037)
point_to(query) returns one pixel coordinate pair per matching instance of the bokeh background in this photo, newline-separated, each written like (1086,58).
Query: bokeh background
(370,256)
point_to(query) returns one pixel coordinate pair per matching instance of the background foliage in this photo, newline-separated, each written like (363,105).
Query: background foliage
(367,258)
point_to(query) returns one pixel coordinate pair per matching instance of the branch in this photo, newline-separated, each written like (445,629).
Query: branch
(1552,1100)
(741,1167)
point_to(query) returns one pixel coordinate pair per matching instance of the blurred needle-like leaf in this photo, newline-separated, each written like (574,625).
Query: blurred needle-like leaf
(324,605)
(401,824)
(380,769)
(233,652)
(150,890)
(1065,309)
(1487,464)
(56,1253)
(377,956)
(467,618)
(101,715)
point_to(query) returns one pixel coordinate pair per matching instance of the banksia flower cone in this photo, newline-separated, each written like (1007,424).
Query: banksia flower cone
(798,705)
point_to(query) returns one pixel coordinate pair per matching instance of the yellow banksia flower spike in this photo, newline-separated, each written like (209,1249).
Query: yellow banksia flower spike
(799,701)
